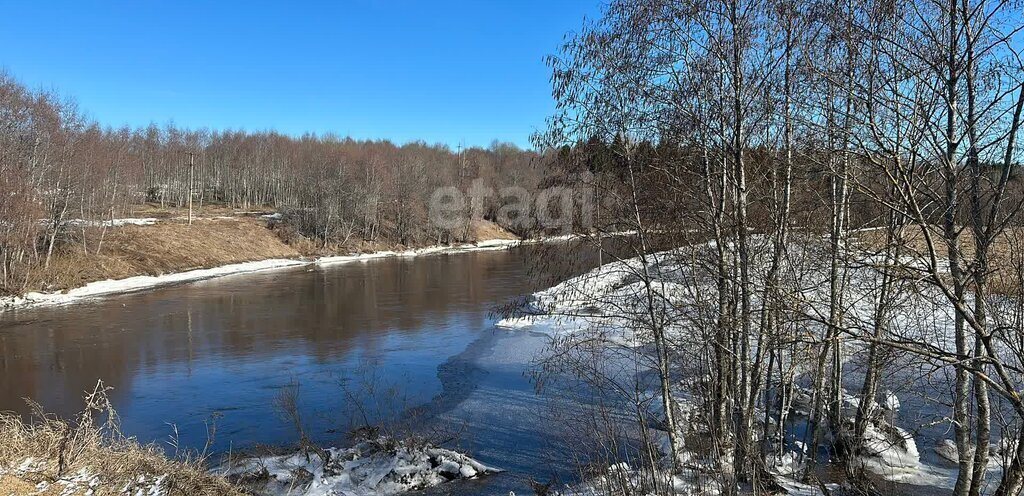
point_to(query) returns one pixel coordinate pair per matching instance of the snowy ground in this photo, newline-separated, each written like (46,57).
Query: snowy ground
(608,305)
(118,286)
(486,245)
(84,481)
(113,222)
(367,469)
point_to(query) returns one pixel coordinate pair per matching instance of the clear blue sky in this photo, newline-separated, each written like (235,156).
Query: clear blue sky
(438,71)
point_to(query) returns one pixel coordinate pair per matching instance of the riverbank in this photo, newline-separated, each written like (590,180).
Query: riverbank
(320,324)
(464,303)
(112,287)
(46,456)
(52,457)
(150,246)
(141,256)
(606,309)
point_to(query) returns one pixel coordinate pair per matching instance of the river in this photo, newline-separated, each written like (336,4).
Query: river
(382,337)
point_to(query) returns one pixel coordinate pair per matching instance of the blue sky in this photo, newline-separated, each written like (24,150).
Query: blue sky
(438,71)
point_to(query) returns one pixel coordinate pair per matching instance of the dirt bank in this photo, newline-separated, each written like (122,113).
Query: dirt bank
(139,253)
(162,248)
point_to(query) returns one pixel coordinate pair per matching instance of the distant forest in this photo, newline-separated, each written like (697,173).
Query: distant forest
(57,167)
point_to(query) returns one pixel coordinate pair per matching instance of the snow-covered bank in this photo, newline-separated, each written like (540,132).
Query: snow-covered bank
(486,245)
(601,303)
(613,305)
(138,283)
(366,469)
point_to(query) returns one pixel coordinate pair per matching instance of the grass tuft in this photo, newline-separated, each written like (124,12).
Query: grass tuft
(90,455)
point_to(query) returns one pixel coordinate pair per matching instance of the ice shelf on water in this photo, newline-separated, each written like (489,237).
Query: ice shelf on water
(137,283)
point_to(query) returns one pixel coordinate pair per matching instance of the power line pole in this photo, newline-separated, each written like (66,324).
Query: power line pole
(191,174)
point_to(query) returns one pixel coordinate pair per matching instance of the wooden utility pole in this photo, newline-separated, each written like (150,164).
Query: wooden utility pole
(191,169)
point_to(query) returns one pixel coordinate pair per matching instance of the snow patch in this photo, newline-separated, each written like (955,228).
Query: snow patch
(137,283)
(893,455)
(487,245)
(83,482)
(363,470)
(148,221)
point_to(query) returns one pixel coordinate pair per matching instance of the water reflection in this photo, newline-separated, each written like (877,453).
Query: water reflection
(177,354)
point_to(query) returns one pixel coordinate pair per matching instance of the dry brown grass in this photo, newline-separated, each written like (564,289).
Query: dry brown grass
(207,210)
(13,486)
(160,249)
(89,452)
(1006,256)
(480,230)
(171,245)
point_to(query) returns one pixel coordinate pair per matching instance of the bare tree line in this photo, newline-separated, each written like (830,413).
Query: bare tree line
(61,173)
(795,146)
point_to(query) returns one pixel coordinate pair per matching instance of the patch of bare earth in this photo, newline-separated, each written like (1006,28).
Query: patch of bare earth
(162,248)
(482,230)
(1006,254)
